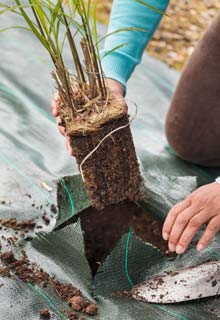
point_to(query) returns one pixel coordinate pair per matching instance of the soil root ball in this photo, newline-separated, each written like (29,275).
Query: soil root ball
(111,174)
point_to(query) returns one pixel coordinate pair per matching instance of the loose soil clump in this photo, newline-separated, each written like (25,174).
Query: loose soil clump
(5,272)
(46,219)
(71,315)
(45,314)
(53,208)
(31,272)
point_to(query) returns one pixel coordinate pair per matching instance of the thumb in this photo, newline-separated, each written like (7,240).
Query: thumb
(55,104)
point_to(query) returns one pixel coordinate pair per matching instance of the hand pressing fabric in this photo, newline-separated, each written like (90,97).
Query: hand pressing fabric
(187,217)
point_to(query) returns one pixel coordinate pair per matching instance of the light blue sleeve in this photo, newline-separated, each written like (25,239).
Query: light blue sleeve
(120,64)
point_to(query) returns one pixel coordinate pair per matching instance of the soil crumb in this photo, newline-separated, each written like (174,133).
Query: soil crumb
(45,314)
(46,219)
(53,208)
(71,315)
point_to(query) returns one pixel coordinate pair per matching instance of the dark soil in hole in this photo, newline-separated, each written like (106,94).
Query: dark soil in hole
(111,173)
(102,229)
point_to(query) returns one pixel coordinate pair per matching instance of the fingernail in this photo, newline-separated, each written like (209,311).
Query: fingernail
(165,236)
(172,248)
(200,247)
(179,249)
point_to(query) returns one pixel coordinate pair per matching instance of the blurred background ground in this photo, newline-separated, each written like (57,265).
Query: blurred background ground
(178,34)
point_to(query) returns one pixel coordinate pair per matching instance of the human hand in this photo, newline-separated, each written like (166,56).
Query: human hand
(187,217)
(115,87)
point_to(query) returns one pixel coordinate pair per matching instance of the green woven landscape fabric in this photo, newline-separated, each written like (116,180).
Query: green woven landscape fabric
(33,155)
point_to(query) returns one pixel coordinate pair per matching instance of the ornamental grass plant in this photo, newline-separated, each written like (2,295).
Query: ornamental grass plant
(96,123)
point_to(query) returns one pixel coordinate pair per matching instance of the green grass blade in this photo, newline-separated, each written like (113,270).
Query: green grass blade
(63,42)
(15,27)
(114,49)
(11,8)
(121,30)
(33,28)
(54,16)
(88,8)
(41,15)
(95,33)
(72,9)
(152,7)
(77,4)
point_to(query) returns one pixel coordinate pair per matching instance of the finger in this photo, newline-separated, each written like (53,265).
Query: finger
(120,100)
(54,108)
(55,104)
(60,127)
(171,217)
(190,231)
(56,96)
(211,230)
(179,225)
(68,146)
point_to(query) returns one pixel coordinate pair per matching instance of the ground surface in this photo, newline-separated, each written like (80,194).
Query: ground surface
(178,34)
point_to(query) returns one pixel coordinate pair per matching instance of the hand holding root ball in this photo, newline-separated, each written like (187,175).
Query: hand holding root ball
(115,87)
(187,217)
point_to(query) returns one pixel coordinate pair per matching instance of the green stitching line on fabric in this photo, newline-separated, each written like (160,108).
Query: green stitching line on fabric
(126,258)
(49,301)
(172,313)
(69,197)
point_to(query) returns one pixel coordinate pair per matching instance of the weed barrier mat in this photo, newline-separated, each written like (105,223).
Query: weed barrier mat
(33,158)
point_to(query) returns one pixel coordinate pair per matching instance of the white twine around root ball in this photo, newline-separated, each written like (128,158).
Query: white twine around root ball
(103,139)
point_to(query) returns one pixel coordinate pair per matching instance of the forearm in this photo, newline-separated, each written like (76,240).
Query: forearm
(120,64)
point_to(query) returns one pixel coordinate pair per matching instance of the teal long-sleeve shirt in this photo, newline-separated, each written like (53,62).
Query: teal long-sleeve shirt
(119,64)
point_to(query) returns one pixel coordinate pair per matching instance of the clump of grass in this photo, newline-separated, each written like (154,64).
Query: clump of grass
(46,19)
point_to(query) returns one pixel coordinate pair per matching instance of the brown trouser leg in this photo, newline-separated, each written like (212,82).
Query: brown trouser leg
(193,120)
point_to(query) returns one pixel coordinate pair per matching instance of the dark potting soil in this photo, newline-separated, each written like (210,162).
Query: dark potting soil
(102,229)
(111,173)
